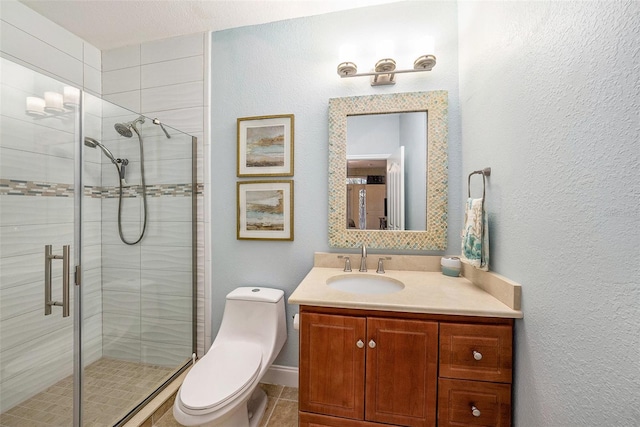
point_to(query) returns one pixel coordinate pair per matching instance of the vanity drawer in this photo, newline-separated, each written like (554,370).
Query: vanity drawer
(473,403)
(476,352)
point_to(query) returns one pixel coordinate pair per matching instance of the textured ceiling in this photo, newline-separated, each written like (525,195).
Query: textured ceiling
(115,23)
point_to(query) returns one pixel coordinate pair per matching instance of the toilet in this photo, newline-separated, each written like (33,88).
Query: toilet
(221,389)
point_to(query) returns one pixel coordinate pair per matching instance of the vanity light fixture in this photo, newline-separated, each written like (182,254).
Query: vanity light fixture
(384,70)
(53,104)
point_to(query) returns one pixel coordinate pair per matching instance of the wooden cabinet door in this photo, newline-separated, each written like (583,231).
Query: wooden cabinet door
(402,357)
(332,364)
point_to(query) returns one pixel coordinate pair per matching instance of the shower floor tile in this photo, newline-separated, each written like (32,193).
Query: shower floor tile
(111,388)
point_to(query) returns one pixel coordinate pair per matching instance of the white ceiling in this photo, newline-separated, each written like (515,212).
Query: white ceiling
(108,24)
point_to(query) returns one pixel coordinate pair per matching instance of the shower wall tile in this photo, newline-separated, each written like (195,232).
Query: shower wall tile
(18,210)
(178,147)
(110,233)
(166,331)
(121,80)
(34,366)
(30,326)
(176,283)
(121,256)
(164,354)
(131,212)
(92,79)
(168,233)
(171,88)
(114,279)
(122,348)
(31,239)
(92,349)
(92,304)
(129,99)
(166,258)
(122,57)
(184,95)
(23,134)
(121,302)
(166,307)
(188,120)
(176,171)
(121,325)
(92,56)
(14,273)
(172,72)
(173,48)
(170,209)
(17,300)
(91,257)
(36,53)
(92,280)
(32,355)
(42,28)
(26,166)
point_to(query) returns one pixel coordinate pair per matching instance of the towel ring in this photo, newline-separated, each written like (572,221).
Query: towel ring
(484,172)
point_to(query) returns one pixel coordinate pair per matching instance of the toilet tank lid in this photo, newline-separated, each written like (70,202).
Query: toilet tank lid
(256,293)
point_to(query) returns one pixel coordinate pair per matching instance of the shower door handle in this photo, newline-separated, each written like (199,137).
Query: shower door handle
(48,302)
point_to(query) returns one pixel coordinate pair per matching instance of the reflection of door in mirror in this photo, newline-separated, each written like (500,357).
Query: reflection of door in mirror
(395,189)
(366,202)
(372,140)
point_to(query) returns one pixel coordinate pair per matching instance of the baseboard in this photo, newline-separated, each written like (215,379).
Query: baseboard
(281,375)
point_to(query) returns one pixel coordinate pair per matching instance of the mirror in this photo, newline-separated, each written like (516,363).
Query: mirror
(434,234)
(387,171)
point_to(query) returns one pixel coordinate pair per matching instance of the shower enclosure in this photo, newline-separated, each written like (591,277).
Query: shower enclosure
(97,252)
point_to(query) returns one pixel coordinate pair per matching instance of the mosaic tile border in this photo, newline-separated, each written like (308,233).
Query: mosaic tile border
(436,104)
(13,187)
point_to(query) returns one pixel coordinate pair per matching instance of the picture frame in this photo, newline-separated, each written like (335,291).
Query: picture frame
(265,145)
(265,210)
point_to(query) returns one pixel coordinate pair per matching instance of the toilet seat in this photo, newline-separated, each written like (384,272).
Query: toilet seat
(224,372)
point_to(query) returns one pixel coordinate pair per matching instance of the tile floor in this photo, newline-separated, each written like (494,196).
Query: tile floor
(282,408)
(111,388)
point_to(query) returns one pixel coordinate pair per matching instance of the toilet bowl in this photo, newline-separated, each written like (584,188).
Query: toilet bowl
(221,389)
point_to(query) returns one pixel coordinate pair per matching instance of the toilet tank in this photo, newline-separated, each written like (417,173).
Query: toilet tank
(255,314)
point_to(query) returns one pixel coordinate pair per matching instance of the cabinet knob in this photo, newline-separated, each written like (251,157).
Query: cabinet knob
(475,411)
(372,344)
(477,355)
(360,344)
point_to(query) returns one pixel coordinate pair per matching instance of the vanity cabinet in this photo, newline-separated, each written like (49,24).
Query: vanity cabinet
(364,368)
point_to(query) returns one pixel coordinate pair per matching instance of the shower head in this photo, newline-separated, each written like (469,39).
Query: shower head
(124,129)
(93,143)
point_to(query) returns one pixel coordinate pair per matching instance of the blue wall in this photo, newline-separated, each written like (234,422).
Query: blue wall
(290,67)
(550,94)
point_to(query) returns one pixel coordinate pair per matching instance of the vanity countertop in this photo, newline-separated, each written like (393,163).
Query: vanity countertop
(426,292)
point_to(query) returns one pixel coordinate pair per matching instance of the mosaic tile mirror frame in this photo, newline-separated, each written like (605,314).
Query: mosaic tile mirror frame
(435,103)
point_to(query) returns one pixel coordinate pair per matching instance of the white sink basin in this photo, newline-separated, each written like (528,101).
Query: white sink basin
(365,284)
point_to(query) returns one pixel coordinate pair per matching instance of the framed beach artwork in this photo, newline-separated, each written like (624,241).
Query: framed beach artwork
(265,146)
(265,210)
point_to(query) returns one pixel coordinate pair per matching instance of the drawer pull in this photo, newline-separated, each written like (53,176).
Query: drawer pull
(477,355)
(475,411)
(360,344)
(372,344)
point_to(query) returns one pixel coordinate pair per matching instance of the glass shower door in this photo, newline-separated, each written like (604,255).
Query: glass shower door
(39,235)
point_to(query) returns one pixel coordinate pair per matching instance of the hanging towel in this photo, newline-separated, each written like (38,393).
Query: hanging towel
(475,235)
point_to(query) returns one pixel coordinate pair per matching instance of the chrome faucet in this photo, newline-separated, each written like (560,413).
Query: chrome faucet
(363,260)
